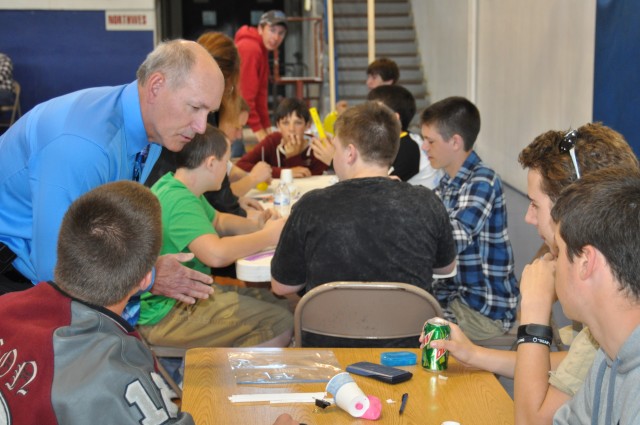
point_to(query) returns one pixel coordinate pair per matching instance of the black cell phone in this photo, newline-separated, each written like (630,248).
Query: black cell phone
(388,374)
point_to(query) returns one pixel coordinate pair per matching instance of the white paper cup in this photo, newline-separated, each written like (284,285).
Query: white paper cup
(286,175)
(348,396)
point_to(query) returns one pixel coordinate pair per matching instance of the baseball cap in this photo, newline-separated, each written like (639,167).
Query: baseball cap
(274,17)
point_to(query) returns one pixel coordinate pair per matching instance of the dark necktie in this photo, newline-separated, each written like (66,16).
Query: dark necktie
(138,166)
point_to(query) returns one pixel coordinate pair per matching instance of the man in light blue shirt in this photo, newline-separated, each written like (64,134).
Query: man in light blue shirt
(71,144)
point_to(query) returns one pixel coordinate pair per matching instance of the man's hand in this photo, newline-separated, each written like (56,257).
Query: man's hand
(261,172)
(177,281)
(300,172)
(459,345)
(323,150)
(247,204)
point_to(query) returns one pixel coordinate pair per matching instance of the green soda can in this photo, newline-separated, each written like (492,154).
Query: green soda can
(435,359)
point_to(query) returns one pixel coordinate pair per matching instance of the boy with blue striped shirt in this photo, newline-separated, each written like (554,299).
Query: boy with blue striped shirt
(483,295)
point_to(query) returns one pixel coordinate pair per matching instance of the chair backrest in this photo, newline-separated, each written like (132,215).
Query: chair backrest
(160,351)
(366,310)
(14,109)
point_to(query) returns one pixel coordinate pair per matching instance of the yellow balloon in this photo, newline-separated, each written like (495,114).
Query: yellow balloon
(262,186)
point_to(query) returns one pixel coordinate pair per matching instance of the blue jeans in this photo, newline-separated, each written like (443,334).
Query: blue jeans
(237,148)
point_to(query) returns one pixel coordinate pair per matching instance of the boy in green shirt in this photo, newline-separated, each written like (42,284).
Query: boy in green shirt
(232,316)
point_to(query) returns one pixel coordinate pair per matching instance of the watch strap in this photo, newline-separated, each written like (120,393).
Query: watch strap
(531,329)
(533,333)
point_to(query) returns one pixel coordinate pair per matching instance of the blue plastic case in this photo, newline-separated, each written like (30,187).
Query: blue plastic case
(398,358)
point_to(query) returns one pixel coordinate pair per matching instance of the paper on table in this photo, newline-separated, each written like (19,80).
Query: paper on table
(277,397)
(277,367)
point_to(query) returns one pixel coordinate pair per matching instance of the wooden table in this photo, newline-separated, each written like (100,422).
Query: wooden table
(467,396)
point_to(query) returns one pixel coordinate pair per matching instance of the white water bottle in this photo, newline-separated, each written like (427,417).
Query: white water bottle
(282,199)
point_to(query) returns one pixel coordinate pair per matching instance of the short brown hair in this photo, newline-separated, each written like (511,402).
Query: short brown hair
(399,99)
(290,105)
(596,147)
(602,209)
(386,68)
(373,129)
(212,143)
(109,240)
(454,115)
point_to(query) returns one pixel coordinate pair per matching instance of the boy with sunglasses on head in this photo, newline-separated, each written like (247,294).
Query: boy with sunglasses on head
(544,381)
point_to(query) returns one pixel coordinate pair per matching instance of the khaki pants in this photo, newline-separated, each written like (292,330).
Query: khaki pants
(476,326)
(231,317)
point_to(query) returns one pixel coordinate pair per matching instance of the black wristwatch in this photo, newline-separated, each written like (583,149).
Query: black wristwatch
(538,334)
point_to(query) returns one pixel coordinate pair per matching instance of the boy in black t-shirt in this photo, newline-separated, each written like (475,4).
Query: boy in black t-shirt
(367,227)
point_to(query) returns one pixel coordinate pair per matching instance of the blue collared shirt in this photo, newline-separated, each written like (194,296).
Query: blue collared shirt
(485,280)
(58,151)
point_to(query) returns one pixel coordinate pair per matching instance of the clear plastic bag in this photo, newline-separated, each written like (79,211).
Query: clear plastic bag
(279,367)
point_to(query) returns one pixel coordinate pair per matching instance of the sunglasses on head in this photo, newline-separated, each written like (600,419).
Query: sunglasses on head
(568,144)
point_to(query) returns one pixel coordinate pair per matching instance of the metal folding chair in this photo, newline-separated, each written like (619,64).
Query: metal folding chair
(364,310)
(13,109)
(171,352)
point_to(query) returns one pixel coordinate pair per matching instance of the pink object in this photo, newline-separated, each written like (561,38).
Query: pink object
(374,410)
(260,256)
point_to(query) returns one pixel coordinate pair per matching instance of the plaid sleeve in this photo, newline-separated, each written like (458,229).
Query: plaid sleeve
(471,211)
(485,280)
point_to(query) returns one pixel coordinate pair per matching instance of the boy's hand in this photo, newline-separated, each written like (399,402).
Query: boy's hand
(459,345)
(274,228)
(538,291)
(294,145)
(300,172)
(263,217)
(285,419)
(323,150)
(249,204)
(261,172)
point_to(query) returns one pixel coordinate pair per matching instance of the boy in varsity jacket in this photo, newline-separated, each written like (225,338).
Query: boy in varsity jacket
(66,355)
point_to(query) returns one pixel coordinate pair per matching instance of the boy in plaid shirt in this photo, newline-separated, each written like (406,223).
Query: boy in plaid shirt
(483,295)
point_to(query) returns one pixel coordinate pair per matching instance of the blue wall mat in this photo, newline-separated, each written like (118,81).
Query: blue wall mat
(57,52)
(616,100)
